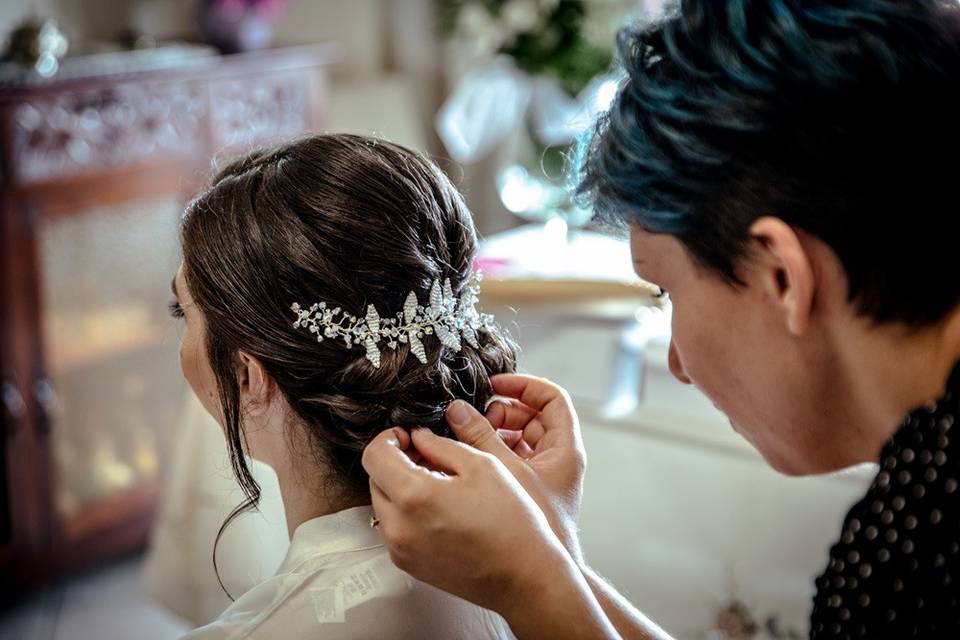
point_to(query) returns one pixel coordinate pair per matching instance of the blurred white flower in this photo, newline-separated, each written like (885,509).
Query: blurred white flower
(485,107)
(521,15)
(605,17)
(481,29)
(520,192)
(558,119)
(473,17)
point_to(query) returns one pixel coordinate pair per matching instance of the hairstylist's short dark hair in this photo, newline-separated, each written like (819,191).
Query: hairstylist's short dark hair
(839,117)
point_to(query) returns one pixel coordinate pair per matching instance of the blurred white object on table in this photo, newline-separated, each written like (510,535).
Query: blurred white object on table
(567,272)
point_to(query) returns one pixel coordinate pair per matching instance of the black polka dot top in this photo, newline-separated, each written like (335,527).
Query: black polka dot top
(895,573)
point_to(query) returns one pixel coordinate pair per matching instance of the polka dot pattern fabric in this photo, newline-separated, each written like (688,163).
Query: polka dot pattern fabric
(895,573)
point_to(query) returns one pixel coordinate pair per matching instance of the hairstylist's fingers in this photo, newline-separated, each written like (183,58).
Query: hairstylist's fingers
(443,454)
(508,413)
(550,399)
(415,455)
(533,391)
(386,516)
(474,430)
(496,415)
(378,497)
(510,437)
(523,450)
(515,440)
(386,461)
(533,433)
(403,438)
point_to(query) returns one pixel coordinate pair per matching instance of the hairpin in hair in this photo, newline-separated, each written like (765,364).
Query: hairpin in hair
(447,317)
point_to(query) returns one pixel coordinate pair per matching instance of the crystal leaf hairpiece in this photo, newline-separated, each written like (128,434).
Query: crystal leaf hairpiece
(448,318)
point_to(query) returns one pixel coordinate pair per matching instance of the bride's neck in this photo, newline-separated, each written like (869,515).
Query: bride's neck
(304,488)
(304,499)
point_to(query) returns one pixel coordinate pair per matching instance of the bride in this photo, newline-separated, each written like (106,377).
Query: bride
(327,295)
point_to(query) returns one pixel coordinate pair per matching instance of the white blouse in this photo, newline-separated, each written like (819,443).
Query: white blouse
(337,582)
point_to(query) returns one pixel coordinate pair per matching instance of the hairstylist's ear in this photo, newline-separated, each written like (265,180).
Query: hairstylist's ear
(254,382)
(785,271)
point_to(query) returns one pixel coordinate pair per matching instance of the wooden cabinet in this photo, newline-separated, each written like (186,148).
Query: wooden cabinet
(95,173)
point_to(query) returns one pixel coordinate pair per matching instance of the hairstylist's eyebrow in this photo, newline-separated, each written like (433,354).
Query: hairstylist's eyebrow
(173,287)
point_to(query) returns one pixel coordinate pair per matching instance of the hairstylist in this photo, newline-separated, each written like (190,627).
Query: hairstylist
(786,172)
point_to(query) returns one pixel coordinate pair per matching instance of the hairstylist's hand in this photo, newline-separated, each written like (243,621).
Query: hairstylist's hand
(464,524)
(536,419)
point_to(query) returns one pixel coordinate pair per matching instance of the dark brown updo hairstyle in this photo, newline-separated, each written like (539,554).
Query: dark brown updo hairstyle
(350,221)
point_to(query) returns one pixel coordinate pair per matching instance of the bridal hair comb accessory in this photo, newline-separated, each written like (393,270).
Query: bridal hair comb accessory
(447,317)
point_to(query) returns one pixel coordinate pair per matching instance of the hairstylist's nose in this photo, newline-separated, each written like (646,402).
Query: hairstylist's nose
(676,366)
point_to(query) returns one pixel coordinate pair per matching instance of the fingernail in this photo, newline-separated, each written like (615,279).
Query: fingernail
(457,413)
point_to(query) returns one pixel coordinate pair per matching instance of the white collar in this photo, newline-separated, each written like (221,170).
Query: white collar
(347,530)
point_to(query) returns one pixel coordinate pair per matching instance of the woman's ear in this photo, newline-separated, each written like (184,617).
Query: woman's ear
(785,270)
(256,385)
